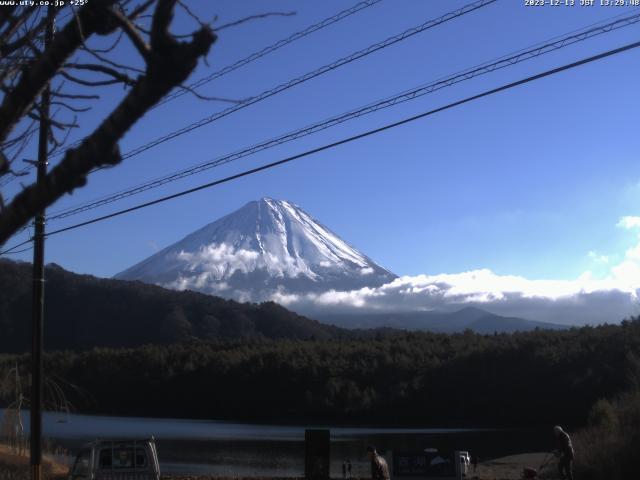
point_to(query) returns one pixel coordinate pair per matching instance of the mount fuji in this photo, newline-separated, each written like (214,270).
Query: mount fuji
(266,247)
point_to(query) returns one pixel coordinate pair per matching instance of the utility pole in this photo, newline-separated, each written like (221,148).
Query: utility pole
(37,315)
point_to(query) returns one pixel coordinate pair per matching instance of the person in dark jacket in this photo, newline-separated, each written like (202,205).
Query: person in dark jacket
(379,467)
(564,449)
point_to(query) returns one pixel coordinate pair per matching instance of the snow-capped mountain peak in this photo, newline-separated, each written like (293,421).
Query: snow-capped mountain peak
(266,246)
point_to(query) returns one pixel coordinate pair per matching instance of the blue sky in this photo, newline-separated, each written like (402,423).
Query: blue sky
(530,182)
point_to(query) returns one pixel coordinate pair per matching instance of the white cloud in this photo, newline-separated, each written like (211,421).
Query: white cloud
(629,222)
(587,299)
(580,301)
(597,257)
(633,253)
(219,261)
(628,270)
(609,296)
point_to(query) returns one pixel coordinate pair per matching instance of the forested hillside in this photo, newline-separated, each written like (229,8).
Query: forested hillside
(83,311)
(194,355)
(536,378)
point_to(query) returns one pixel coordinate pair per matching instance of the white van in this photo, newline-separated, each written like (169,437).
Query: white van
(117,460)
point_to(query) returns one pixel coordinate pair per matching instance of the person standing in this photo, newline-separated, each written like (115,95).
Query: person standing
(379,467)
(348,469)
(564,449)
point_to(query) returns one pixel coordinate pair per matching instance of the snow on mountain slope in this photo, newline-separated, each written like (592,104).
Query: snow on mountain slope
(267,246)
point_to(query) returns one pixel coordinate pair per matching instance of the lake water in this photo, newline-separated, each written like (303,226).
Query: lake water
(239,449)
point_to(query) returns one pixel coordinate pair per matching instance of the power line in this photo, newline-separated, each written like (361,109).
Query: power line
(368,133)
(11,178)
(310,75)
(18,232)
(250,58)
(11,250)
(272,48)
(502,62)
(343,61)
(22,250)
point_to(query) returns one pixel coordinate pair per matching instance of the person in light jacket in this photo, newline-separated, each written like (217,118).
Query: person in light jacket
(564,449)
(379,467)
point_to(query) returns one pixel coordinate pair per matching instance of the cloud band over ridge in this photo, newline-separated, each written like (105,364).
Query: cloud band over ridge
(583,301)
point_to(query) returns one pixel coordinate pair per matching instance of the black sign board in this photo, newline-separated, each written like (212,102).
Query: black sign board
(316,445)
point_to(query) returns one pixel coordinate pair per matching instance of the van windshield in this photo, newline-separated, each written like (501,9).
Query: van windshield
(122,457)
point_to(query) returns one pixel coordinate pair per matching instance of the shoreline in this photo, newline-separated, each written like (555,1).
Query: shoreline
(288,423)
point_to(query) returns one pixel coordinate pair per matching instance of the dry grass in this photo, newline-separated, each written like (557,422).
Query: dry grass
(17,467)
(608,448)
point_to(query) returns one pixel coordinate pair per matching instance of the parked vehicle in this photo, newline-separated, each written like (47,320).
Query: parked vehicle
(117,460)
(430,463)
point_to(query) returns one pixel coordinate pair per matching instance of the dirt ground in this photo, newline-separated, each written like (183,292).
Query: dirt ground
(510,468)
(505,468)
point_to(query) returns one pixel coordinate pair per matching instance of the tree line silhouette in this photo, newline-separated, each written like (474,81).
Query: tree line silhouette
(402,378)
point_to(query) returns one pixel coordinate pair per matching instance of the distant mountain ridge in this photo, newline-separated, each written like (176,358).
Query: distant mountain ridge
(265,247)
(476,319)
(83,312)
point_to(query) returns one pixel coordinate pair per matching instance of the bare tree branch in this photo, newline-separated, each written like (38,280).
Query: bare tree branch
(92,20)
(31,33)
(4,164)
(71,108)
(140,9)
(62,142)
(93,52)
(16,21)
(88,83)
(170,63)
(111,47)
(20,147)
(131,31)
(118,76)
(27,131)
(6,14)
(186,8)
(54,123)
(207,98)
(75,96)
